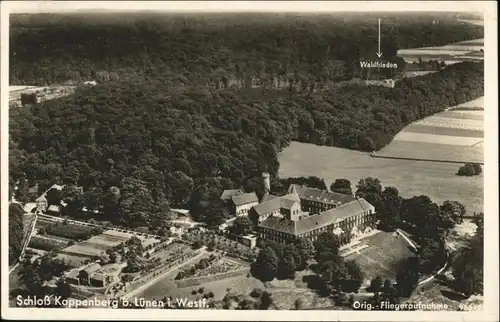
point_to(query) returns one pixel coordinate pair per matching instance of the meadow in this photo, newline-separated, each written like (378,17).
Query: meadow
(412,178)
(383,256)
(471,50)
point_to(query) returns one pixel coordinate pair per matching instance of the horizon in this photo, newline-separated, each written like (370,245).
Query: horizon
(27,7)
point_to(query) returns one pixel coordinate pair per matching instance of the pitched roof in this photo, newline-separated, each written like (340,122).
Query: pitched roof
(54,186)
(268,206)
(245,199)
(314,194)
(287,203)
(272,203)
(98,277)
(227,194)
(280,224)
(268,197)
(92,268)
(333,215)
(317,221)
(72,274)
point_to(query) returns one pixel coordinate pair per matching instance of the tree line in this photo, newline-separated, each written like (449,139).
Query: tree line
(137,148)
(213,48)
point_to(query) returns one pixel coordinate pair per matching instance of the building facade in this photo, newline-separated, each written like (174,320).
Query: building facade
(241,204)
(91,275)
(316,212)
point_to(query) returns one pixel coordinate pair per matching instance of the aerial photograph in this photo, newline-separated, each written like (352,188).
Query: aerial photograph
(246,160)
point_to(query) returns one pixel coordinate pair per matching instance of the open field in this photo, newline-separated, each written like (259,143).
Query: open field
(432,151)
(412,178)
(469,50)
(455,135)
(383,256)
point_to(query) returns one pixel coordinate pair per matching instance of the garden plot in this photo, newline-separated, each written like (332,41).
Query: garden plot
(110,238)
(172,250)
(81,249)
(46,243)
(73,260)
(224,265)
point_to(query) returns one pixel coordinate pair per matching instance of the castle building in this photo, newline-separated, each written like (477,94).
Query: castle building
(241,204)
(307,212)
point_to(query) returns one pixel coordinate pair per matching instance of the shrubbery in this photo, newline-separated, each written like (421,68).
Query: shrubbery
(470,169)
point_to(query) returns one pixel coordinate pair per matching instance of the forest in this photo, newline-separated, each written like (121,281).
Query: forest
(154,134)
(170,141)
(216,48)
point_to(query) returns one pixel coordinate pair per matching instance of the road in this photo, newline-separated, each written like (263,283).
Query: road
(163,275)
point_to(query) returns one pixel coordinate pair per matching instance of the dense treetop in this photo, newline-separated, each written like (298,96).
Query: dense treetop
(46,49)
(156,130)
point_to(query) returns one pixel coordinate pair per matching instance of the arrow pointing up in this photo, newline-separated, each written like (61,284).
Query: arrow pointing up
(379,54)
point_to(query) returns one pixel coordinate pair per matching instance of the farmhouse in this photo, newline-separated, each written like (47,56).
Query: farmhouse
(306,212)
(91,275)
(241,204)
(228,194)
(41,202)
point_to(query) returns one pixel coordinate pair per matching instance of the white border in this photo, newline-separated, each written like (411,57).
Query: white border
(489,8)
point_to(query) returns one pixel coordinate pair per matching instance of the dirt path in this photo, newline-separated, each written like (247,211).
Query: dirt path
(163,275)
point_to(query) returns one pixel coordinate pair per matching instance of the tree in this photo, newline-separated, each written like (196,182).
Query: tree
(305,249)
(375,284)
(454,209)
(136,203)
(368,185)
(354,278)
(241,226)
(54,197)
(470,169)
(287,263)
(333,273)
(298,304)
(468,265)
(418,212)
(390,214)
(266,301)
(15,232)
(407,277)
(342,186)
(63,290)
(432,255)
(326,246)
(266,265)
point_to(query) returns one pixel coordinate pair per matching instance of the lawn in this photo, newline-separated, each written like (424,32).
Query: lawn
(412,178)
(438,152)
(385,253)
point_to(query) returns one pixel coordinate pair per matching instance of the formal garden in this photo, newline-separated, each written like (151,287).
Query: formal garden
(218,240)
